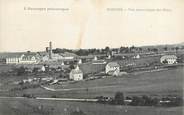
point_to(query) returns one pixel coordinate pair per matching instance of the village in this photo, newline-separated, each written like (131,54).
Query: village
(55,74)
(73,67)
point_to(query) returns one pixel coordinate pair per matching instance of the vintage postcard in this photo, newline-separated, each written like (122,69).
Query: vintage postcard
(91,57)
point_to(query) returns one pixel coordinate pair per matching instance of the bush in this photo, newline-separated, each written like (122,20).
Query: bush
(172,101)
(28,95)
(137,101)
(53,96)
(20,71)
(35,69)
(119,98)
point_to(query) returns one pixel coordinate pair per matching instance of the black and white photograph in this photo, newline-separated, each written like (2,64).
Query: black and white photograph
(91,57)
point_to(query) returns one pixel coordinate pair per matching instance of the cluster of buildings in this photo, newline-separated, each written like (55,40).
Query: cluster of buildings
(36,57)
(168,59)
(19,58)
(94,65)
(113,68)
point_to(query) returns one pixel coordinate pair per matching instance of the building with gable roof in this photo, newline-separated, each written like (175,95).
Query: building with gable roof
(112,68)
(168,59)
(76,74)
(19,58)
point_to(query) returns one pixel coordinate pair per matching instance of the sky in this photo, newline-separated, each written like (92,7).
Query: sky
(74,24)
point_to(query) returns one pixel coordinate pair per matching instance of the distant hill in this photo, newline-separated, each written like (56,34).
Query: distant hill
(59,50)
(165,45)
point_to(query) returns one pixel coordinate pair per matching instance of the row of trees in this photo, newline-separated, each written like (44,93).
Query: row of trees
(122,49)
(144,100)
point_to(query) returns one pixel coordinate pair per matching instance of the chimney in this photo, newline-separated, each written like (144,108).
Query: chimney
(50,50)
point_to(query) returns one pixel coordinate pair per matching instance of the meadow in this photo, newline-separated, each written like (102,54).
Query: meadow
(44,107)
(166,82)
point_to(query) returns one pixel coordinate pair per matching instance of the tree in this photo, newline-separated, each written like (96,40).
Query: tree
(71,66)
(165,48)
(176,48)
(124,49)
(21,71)
(182,47)
(35,69)
(119,98)
(155,50)
(137,101)
(140,49)
(148,49)
(117,58)
(107,49)
(132,48)
(82,52)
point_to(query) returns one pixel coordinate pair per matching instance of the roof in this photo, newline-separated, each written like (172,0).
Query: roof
(28,55)
(86,57)
(92,68)
(8,55)
(76,71)
(98,61)
(16,54)
(169,57)
(68,54)
(113,64)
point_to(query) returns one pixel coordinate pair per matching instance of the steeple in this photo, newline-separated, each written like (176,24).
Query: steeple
(77,67)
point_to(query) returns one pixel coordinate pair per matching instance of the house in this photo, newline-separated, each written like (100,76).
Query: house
(62,63)
(10,58)
(19,58)
(95,58)
(112,68)
(96,61)
(55,57)
(80,61)
(168,59)
(28,58)
(87,58)
(68,55)
(136,56)
(76,74)
(43,68)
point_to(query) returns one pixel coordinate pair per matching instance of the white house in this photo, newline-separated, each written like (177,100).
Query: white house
(76,74)
(112,68)
(62,63)
(68,55)
(95,58)
(28,59)
(43,68)
(20,58)
(80,61)
(169,59)
(137,56)
(55,57)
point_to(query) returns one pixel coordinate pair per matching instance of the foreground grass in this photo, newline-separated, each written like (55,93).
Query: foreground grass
(169,82)
(43,107)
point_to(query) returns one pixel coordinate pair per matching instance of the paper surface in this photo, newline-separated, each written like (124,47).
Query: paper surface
(30,24)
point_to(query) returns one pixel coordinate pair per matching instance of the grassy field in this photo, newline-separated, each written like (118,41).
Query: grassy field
(40,107)
(167,82)
(5,68)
